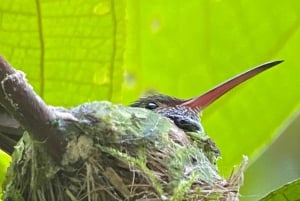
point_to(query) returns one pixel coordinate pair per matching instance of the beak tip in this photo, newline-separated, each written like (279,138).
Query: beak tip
(274,63)
(200,102)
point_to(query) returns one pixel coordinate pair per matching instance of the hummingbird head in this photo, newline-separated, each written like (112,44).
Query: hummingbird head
(184,117)
(185,113)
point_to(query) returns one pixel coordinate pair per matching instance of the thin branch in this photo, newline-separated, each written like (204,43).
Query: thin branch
(18,97)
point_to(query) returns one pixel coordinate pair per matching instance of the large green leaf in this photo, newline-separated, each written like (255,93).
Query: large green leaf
(287,192)
(71,51)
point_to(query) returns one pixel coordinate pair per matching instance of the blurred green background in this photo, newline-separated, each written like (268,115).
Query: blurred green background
(78,51)
(279,164)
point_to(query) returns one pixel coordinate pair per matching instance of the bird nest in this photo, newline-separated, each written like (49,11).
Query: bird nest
(120,153)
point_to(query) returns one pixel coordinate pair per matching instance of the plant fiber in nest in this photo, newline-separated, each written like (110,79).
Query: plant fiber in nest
(119,153)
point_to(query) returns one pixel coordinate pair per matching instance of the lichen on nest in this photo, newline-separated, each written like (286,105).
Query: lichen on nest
(120,153)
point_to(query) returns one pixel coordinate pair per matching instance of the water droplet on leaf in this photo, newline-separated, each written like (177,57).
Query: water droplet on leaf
(155,26)
(102,8)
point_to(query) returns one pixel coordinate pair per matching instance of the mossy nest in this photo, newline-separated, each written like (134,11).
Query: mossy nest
(120,153)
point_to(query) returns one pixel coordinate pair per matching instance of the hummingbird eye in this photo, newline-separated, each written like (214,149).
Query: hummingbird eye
(151,106)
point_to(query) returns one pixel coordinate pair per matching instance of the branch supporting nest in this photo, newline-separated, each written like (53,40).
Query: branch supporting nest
(19,99)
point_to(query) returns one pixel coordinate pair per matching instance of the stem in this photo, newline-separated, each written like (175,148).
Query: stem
(18,98)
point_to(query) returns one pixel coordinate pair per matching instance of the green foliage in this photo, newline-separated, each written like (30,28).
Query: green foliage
(287,192)
(72,52)
(4,163)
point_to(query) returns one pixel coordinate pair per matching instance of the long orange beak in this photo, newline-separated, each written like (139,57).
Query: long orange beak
(202,101)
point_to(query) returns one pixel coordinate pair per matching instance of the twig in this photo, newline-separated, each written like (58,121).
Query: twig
(18,97)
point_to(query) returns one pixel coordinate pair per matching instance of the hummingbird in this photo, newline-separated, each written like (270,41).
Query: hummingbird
(183,112)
